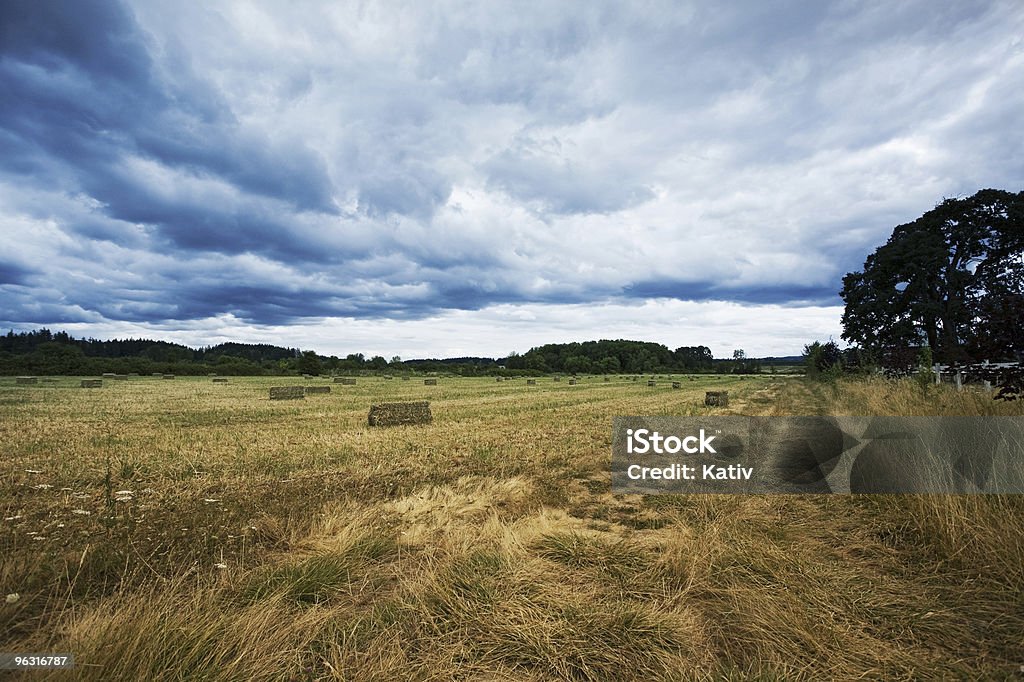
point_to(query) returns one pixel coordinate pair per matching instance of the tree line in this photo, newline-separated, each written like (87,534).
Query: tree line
(628,357)
(58,353)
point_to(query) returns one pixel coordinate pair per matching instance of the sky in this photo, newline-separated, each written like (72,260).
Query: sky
(442,179)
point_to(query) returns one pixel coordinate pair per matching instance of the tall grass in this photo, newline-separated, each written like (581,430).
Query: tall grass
(302,545)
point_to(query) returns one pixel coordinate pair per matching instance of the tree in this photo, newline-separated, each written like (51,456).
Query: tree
(952,280)
(822,358)
(691,358)
(309,363)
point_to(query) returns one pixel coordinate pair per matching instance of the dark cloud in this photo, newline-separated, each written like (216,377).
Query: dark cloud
(179,163)
(81,89)
(703,291)
(12,273)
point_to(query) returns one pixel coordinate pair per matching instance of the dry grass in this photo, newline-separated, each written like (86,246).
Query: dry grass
(289,541)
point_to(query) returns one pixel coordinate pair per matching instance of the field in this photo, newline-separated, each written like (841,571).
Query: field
(184,529)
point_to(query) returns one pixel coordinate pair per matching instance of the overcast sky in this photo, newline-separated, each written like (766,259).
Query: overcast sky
(472,178)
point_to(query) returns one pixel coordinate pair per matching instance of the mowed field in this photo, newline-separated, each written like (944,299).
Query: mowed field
(181,529)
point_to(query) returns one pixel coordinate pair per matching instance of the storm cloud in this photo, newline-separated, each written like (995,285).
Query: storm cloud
(259,165)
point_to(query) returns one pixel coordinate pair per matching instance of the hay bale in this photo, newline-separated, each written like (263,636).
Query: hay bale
(211,374)
(716,398)
(676,384)
(606,379)
(405,378)
(167,376)
(158,374)
(397,414)
(121,377)
(288,393)
(317,389)
(557,379)
(652,382)
(220,380)
(26,380)
(508,378)
(388,378)
(531,382)
(430,382)
(109,375)
(498,379)
(572,382)
(92,383)
(345,381)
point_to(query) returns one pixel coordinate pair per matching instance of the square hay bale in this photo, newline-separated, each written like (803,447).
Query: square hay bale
(498,379)
(531,382)
(167,376)
(716,398)
(211,374)
(508,378)
(220,380)
(92,383)
(158,374)
(652,382)
(388,378)
(676,384)
(26,380)
(557,379)
(109,375)
(317,389)
(344,381)
(398,414)
(405,378)
(572,382)
(287,392)
(606,379)
(121,377)
(430,382)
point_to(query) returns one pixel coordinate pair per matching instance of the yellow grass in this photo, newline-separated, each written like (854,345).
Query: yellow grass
(287,540)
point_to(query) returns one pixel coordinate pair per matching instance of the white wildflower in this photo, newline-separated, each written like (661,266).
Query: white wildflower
(12,598)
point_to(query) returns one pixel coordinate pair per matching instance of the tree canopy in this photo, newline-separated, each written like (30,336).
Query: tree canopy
(952,280)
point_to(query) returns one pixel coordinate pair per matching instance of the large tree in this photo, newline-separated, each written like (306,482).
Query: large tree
(952,280)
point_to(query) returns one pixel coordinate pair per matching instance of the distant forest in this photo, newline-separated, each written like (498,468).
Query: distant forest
(44,352)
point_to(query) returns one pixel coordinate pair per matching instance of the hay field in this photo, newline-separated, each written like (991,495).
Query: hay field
(191,530)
